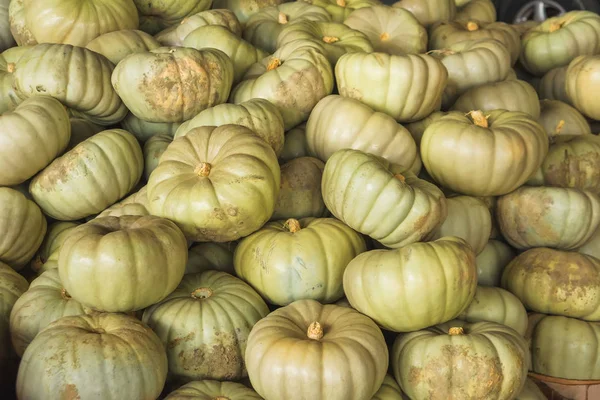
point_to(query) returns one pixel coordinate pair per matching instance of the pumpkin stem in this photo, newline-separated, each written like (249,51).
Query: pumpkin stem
(10,67)
(203,169)
(443,52)
(315,331)
(64,294)
(384,37)
(341,3)
(282,18)
(183,21)
(274,63)
(479,119)
(293,225)
(400,177)
(454,331)
(554,26)
(559,126)
(330,39)
(472,26)
(202,293)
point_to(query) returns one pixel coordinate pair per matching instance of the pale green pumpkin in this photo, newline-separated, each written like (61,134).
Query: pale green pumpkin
(134,204)
(55,236)
(6,39)
(12,286)
(389,390)
(153,149)
(143,130)
(582,82)
(295,144)
(211,389)
(18,26)
(479,10)
(491,262)
(592,246)
(429,12)
(118,44)
(559,118)
(340,9)
(82,129)
(175,34)
(211,256)
(552,85)
(156,15)
(13,54)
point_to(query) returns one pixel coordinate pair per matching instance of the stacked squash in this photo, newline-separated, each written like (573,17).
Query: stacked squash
(325,199)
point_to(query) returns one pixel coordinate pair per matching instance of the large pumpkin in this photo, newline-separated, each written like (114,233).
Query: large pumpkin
(407,87)
(122,264)
(117,45)
(175,34)
(372,196)
(90,177)
(491,262)
(217,184)
(31,137)
(483,360)
(307,350)
(582,81)
(115,349)
(293,260)
(204,325)
(413,287)
(488,141)
(211,389)
(559,119)
(156,15)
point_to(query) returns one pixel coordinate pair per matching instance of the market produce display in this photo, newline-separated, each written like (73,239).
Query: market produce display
(297,200)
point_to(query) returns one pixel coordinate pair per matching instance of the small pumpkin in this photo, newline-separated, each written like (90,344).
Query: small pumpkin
(156,15)
(559,118)
(478,10)
(491,262)
(310,340)
(143,130)
(210,389)
(295,144)
(552,85)
(153,149)
(582,83)
(118,44)
(175,34)
(428,12)
(211,256)
(341,9)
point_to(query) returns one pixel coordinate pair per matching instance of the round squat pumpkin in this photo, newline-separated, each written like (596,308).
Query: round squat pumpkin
(134,204)
(210,389)
(157,15)
(479,10)
(560,119)
(307,350)
(211,256)
(115,349)
(340,9)
(119,44)
(122,264)
(582,82)
(552,85)
(244,9)
(227,177)
(491,262)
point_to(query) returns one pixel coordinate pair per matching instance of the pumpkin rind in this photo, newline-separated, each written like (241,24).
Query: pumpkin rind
(82,129)
(592,246)
(175,34)
(389,390)
(340,9)
(491,262)
(210,389)
(429,12)
(18,26)
(143,130)
(582,84)
(156,15)
(6,39)
(117,45)
(12,287)
(559,118)
(478,10)
(245,9)
(295,145)
(211,256)
(153,149)
(552,85)
(55,236)
(134,204)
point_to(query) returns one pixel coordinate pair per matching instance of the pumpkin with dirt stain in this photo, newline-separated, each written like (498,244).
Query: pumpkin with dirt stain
(341,9)
(556,282)
(561,218)
(478,10)
(402,289)
(228,177)
(292,259)
(428,12)
(293,353)
(559,118)
(153,149)
(211,389)
(12,287)
(175,34)
(407,87)
(211,256)
(117,45)
(491,262)
(173,84)
(582,82)
(142,257)
(116,349)
(90,177)
(381,199)
(32,135)
(156,15)
(457,360)
(225,308)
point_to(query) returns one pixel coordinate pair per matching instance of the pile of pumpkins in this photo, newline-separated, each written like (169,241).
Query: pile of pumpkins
(323,199)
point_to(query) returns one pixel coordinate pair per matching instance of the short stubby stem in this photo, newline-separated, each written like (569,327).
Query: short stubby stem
(554,26)
(293,225)
(65,295)
(10,67)
(315,331)
(203,169)
(282,18)
(330,39)
(384,37)
(400,177)
(472,26)
(341,3)
(479,118)
(202,293)
(455,331)
(273,63)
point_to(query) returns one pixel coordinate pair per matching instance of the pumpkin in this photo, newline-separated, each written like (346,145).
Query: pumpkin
(56,233)
(407,87)
(390,30)
(143,130)
(494,304)
(71,22)
(558,40)
(341,9)
(244,9)
(116,349)
(339,122)
(564,347)
(134,204)
(82,129)
(482,360)
(300,190)
(582,82)
(294,79)
(293,260)
(140,273)
(23,226)
(514,95)
(6,38)
(552,85)
(224,307)
(156,15)
(389,390)
(153,149)
(90,177)
(572,162)
(43,303)
(491,262)
(18,27)
(295,145)
(259,115)
(478,10)
(531,391)
(556,282)
(8,98)
(210,256)
(228,177)
(417,128)
(242,53)
(13,54)
(402,290)
(263,28)
(296,353)
(12,287)
(559,118)
(372,196)
(561,218)
(175,34)
(210,389)
(429,12)
(592,246)
(32,136)
(444,34)
(117,45)
(173,84)
(491,203)
(488,141)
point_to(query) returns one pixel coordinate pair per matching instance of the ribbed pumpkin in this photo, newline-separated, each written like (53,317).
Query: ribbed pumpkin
(156,15)
(487,141)
(173,84)
(556,282)
(244,9)
(295,144)
(340,9)
(6,38)
(228,177)
(296,353)
(117,350)
(210,256)
(18,27)
(175,34)
(582,82)
(301,259)
(552,85)
(592,246)
(339,122)
(55,236)
(407,87)
(134,204)
(417,128)
(478,10)
(117,45)
(210,389)
(548,217)
(483,360)
(429,12)
(491,262)
(82,129)
(389,390)
(413,287)
(153,149)
(378,199)
(12,287)
(32,136)
(122,264)
(559,118)
(204,325)
(143,130)
(90,177)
